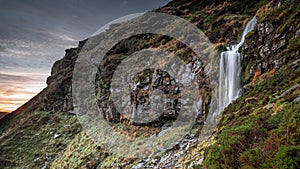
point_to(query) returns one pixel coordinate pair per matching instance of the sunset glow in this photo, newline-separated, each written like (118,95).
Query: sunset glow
(16,89)
(35,34)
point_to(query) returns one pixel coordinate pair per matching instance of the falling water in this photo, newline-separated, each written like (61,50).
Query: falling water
(229,85)
(230,71)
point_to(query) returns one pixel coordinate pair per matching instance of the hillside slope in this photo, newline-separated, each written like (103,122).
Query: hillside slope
(2,114)
(258,130)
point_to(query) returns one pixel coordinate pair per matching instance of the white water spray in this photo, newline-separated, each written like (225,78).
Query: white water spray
(230,71)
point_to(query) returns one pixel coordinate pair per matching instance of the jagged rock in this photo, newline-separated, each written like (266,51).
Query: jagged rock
(265,51)
(57,96)
(265,47)
(282,42)
(172,155)
(276,64)
(264,29)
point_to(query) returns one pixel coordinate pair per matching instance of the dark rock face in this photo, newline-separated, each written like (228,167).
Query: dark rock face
(161,80)
(265,47)
(58,94)
(145,82)
(264,29)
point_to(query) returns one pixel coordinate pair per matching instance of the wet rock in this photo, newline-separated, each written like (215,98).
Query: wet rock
(295,62)
(138,166)
(293,88)
(119,167)
(265,51)
(276,64)
(297,99)
(197,163)
(149,81)
(264,29)
(56,136)
(166,81)
(282,42)
(171,155)
(259,68)
(297,34)
(251,71)
(264,66)
(270,106)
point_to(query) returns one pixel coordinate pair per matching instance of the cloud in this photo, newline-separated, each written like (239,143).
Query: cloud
(13,101)
(24,66)
(14,78)
(63,38)
(34,34)
(17,90)
(34,54)
(12,91)
(2,48)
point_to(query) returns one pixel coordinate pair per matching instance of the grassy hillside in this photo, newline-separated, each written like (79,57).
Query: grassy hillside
(33,139)
(261,129)
(2,114)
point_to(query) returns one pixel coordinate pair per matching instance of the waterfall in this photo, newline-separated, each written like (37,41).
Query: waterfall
(229,83)
(230,71)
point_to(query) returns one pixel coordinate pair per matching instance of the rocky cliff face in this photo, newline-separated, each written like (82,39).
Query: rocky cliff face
(274,42)
(222,27)
(57,96)
(258,130)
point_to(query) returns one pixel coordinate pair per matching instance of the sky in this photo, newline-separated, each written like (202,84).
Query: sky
(35,33)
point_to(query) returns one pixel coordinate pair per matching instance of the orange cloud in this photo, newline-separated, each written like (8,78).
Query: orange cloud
(17,89)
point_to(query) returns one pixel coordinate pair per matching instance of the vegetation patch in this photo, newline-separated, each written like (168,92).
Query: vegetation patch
(260,129)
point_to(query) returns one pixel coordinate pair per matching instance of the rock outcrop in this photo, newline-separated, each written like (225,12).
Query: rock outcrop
(269,46)
(57,96)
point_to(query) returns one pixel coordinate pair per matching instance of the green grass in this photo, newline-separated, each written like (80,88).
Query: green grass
(252,136)
(29,138)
